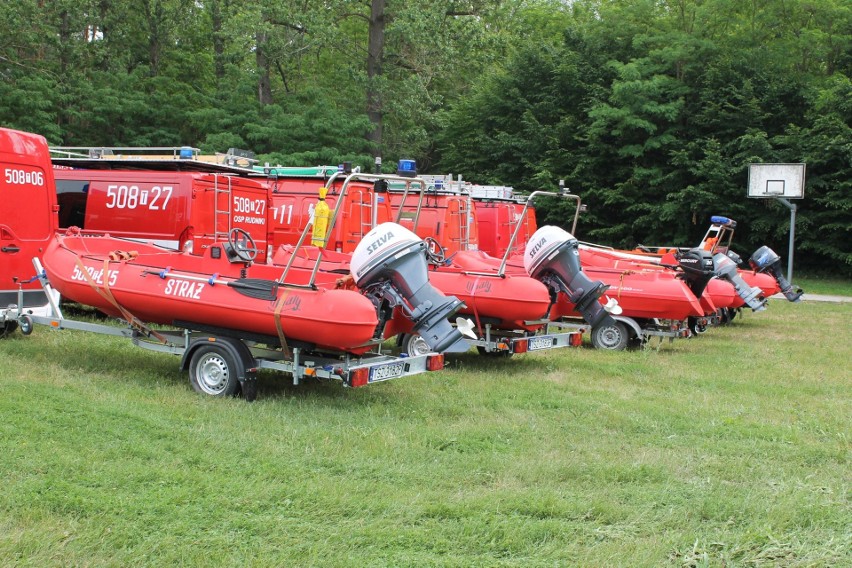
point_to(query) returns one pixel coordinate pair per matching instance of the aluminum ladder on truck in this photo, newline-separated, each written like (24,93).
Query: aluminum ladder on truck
(219,211)
(366,214)
(462,220)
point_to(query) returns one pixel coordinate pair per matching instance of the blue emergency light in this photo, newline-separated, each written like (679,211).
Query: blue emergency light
(407,168)
(185,153)
(719,220)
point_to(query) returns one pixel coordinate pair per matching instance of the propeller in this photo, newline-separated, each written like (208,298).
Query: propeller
(465,326)
(612,307)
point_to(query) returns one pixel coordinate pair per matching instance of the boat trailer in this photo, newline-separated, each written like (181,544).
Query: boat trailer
(223,362)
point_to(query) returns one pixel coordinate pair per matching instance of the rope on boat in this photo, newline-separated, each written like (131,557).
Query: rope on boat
(119,255)
(621,281)
(475,311)
(279,305)
(106,294)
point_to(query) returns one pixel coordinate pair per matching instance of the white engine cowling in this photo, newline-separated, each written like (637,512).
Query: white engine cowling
(381,243)
(543,243)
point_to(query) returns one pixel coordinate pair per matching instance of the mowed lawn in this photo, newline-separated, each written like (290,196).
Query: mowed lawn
(731,449)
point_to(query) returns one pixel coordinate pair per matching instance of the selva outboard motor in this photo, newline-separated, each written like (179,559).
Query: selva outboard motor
(390,264)
(697,267)
(552,256)
(726,269)
(764,259)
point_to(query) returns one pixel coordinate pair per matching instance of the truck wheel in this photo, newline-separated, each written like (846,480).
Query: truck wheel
(613,336)
(213,371)
(8,328)
(414,344)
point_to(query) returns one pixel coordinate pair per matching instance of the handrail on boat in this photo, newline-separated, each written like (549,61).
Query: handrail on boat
(350,177)
(530,198)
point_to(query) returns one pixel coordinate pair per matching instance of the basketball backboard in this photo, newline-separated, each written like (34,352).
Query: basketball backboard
(776,180)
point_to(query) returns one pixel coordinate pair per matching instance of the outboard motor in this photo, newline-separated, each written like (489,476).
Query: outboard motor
(764,259)
(552,256)
(698,268)
(390,263)
(726,269)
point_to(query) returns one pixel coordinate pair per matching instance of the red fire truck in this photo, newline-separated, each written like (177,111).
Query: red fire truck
(27,222)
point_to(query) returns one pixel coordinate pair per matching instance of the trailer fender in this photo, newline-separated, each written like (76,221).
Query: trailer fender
(631,325)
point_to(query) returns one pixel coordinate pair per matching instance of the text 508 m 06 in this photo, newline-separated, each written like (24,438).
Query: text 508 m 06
(15,176)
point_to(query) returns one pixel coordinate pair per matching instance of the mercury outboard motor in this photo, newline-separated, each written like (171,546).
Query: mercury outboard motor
(726,269)
(552,256)
(390,263)
(764,259)
(698,268)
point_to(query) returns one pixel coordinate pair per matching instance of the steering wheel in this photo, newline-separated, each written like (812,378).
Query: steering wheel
(434,251)
(242,244)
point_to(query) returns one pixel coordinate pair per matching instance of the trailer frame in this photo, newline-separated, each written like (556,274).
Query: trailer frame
(237,355)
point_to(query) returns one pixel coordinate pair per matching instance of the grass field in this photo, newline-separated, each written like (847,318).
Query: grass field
(731,449)
(823,285)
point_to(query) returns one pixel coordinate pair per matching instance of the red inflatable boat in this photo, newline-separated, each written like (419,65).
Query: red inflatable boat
(156,285)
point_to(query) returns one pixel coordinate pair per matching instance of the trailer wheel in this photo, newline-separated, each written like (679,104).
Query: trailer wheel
(726,315)
(8,328)
(612,336)
(695,326)
(213,371)
(414,344)
(26,324)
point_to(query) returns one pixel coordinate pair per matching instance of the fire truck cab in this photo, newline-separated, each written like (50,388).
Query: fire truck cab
(28,220)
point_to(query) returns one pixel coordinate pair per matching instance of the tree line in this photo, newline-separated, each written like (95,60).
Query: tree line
(650,110)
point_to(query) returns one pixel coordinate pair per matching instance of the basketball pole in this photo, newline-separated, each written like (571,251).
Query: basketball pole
(792,208)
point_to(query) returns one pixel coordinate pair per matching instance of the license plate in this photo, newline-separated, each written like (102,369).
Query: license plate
(385,372)
(543,342)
